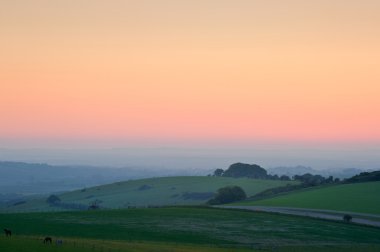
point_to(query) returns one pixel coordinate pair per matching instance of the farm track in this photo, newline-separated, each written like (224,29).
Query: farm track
(359,218)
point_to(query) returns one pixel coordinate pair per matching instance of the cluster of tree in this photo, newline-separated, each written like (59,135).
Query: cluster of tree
(228,194)
(240,170)
(307,180)
(276,177)
(364,177)
(277,190)
(314,180)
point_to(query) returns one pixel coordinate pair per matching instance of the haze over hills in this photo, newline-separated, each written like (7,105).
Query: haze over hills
(204,157)
(163,191)
(33,178)
(299,169)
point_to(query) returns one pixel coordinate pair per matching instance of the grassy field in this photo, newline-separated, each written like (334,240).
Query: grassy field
(360,197)
(188,190)
(32,244)
(183,229)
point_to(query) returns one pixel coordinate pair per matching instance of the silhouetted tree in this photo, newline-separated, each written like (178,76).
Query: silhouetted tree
(228,194)
(310,180)
(285,178)
(330,179)
(238,170)
(274,177)
(218,172)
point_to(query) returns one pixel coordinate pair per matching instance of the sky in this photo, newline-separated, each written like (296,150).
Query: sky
(226,74)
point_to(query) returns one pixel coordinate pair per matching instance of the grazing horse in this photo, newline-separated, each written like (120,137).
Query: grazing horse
(47,240)
(7,232)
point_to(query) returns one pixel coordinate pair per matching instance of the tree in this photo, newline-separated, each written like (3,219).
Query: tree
(273,177)
(53,199)
(239,170)
(310,180)
(228,194)
(218,172)
(330,179)
(284,178)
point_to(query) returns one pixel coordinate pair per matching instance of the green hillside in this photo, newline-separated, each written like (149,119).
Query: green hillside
(148,192)
(359,197)
(182,229)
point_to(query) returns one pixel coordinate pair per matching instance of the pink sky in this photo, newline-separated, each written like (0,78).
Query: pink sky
(189,71)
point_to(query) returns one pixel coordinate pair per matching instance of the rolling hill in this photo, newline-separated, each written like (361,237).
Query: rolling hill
(358,197)
(186,190)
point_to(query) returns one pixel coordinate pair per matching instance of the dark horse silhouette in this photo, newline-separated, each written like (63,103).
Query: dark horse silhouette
(47,240)
(7,232)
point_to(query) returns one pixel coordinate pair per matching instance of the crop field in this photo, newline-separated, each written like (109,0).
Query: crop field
(359,197)
(182,229)
(189,190)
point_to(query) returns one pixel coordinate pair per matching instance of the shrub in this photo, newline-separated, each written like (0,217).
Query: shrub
(227,195)
(53,199)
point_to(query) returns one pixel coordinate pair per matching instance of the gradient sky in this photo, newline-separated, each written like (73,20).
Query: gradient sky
(195,71)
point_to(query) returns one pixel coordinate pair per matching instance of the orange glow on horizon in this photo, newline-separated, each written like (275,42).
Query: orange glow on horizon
(184,70)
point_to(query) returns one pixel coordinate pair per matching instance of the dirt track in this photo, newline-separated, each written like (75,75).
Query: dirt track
(367,219)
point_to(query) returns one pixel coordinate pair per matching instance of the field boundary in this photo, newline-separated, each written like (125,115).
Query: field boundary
(358,218)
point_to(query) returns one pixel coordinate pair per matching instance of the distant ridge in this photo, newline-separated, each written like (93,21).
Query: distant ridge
(298,170)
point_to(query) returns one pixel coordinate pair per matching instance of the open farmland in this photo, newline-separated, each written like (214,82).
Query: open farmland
(358,197)
(189,226)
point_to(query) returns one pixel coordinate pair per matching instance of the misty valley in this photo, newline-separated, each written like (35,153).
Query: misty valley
(243,207)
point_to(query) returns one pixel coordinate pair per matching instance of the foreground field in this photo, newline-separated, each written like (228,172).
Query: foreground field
(190,190)
(186,229)
(32,244)
(360,198)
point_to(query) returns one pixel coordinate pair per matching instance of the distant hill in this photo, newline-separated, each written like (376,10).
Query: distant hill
(290,170)
(34,178)
(187,190)
(31,178)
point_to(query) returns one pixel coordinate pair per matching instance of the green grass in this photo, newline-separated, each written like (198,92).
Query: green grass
(32,244)
(360,197)
(161,191)
(194,227)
